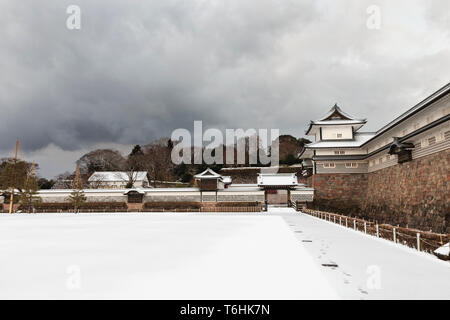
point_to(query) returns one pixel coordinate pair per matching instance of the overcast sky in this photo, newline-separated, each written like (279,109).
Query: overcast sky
(137,70)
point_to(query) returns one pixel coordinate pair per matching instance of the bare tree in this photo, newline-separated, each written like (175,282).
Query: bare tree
(63,181)
(101,160)
(157,160)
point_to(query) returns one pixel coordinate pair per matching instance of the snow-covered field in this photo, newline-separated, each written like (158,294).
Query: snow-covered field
(369,267)
(278,255)
(155,256)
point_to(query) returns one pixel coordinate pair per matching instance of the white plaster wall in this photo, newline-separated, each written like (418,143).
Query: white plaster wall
(330,132)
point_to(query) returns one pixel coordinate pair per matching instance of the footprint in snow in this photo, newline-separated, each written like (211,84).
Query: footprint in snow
(362,291)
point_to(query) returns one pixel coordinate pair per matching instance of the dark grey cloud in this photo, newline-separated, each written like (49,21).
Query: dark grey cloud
(139,69)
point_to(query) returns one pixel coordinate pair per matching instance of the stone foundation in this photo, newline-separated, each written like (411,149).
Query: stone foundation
(413,194)
(339,192)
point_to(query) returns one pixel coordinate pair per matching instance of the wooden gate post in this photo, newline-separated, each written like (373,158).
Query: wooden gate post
(418,241)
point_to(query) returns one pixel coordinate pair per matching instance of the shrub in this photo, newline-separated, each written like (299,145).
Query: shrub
(66,206)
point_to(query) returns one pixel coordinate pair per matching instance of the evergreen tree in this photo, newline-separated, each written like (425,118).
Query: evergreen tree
(77,197)
(137,151)
(28,197)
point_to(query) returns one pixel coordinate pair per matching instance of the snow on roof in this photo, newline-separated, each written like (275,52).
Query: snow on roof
(138,190)
(207,174)
(110,176)
(337,122)
(277,179)
(226,179)
(444,250)
(336,117)
(359,139)
(120,191)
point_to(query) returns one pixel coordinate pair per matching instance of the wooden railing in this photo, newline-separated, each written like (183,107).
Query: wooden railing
(421,240)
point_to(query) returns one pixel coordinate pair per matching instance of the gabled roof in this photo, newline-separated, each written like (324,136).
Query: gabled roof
(208,174)
(114,176)
(137,190)
(335,116)
(336,113)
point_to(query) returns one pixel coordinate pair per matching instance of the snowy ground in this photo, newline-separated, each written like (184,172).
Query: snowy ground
(278,255)
(369,267)
(155,256)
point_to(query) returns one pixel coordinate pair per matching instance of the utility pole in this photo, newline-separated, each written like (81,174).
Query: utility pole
(11,199)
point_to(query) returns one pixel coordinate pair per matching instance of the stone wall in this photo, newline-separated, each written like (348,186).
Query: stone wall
(339,192)
(302,196)
(413,194)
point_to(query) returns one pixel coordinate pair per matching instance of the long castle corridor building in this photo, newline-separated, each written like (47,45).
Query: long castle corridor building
(398,174)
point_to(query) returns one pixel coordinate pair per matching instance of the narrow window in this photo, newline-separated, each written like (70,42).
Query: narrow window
(431,141)
(447,135)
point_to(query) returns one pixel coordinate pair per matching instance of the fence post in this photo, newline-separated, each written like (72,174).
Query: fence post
(354,224)
(365,227)
(378,231)
(395,235)
(334,219)
(346,222)
(340,221)
(418,241)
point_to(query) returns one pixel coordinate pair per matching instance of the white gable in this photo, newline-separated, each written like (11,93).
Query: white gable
(277,179)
